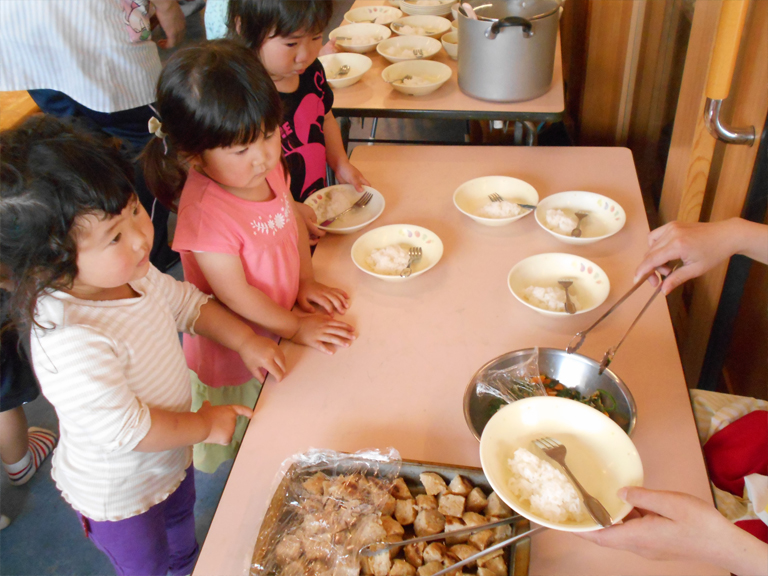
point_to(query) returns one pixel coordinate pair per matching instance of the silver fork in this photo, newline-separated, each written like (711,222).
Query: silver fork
(418,52)
(343,71)
(361,203)
(569,306)
(557,452)
(413,255)
(406,77)
(497,198)
(576,232)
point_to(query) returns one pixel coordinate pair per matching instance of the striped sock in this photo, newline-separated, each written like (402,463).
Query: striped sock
(41,443)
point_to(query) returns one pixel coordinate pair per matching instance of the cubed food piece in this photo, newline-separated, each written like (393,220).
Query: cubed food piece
(369,530)
(319,568)
(481,540)
(451,504)
(365,566)
(486,559)
(343,567)
(483,571)
(295,568)
(474,519)
(496,507)
(476,500)
(400,490)
(451,525)
(464,551)
(315,483)
(414,554)
(435,552)
(497,565)
(405,511)
(392,539)
(391,526)
(426,502)
(449,560)
(460,485)
(380,564)
(288,550)
(428,522)
(402,568)
(387,504)
(430,569)
(500,532)
(317,547)
(433,483)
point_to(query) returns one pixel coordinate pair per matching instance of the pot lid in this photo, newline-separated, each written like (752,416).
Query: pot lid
(528,9)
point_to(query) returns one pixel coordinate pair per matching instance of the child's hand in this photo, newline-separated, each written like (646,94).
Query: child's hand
(348,174)
(329,48)
(221,421)
(329,299)
(310,219)
(319,330)
(260,352)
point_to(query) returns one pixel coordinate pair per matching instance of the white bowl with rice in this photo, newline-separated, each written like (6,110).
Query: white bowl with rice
(382,252)
(374,14)
(472,199)
(333,200)
(434,26)
(402,48)
(360,37)
(534,282)
(556,215)
(332,64)
(416,77)
(600,455)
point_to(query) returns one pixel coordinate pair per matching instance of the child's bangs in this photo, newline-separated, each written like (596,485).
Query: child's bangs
(309,18)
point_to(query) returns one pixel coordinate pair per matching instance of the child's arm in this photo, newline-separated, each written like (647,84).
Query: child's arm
(336,155)
(225,275)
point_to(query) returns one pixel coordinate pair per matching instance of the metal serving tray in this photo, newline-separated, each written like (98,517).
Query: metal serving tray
(517,555)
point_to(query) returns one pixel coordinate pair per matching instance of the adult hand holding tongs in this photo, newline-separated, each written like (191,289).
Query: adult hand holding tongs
(579,338)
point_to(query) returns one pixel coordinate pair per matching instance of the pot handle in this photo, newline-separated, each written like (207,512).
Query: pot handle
(507,22)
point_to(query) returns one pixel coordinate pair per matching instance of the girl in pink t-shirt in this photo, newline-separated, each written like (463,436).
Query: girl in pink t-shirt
(218,150)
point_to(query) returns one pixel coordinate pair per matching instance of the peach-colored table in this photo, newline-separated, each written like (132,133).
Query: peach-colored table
(401,383)
(372,97)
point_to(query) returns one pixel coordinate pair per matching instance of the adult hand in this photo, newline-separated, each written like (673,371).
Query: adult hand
(172,21)
(348,174)
(700,246)
(221,421)
(675,526)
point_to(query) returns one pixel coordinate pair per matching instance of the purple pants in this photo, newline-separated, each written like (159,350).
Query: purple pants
(160,540)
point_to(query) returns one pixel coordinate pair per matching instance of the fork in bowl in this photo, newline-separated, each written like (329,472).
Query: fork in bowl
(418,52)
(497,198)
(343,71)
(557,451)
(566,283)
(576,232)
(361,203)
(414,254)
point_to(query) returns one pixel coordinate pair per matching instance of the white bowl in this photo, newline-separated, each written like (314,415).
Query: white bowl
(417,7)
(434,26)
(606,216)
(436,73)
(600,454)
(358,66)
(455,25)
(373,14)
(361,30)
(455,10)
(472,196)
(405,235)
(355,219)
(450,42)
(590,283)
(407,44)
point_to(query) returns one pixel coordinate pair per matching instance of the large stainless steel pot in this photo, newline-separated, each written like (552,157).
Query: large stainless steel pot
(508,53)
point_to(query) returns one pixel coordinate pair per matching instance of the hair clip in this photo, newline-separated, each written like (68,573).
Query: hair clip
(155,127)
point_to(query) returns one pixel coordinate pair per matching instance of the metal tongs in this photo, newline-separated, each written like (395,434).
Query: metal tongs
(579,338)
(379,547)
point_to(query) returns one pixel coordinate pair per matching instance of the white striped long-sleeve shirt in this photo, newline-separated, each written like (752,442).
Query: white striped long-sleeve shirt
(103,366)
(79,47)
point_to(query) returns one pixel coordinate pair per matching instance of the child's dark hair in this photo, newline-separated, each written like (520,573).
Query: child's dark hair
(257,20)
(52,173)
(213,95)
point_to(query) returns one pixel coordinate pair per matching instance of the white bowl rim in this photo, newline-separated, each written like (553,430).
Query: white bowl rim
(437,65)
(391,276)
(555,312)
(431,34)
(485,218)
(350,229)
(336,31)
(398,39)
(581,239)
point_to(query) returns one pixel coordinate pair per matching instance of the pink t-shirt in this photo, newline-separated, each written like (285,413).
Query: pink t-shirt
(263,234)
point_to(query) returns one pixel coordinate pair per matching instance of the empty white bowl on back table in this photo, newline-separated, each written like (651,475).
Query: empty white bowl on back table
(426,7)
(417,77)
(450,42)
(403,48)
(359,38)
(434,26)
(600,455)
(332,64)
(605,216)
(404,235)
(590,285)
(340,197)
(472,197)
(373,14)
